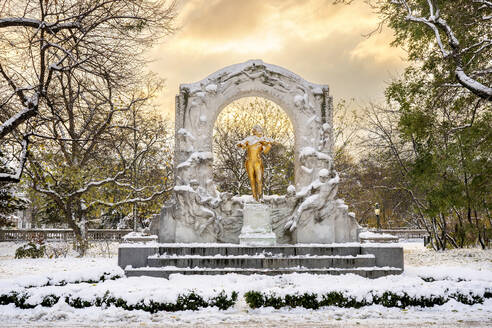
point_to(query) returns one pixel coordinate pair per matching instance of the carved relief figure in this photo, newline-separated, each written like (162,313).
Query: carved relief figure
(255,145)
(282,209)
(317,197)
(202,207)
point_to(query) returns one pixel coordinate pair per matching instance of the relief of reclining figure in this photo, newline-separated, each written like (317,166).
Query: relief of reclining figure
(315,199)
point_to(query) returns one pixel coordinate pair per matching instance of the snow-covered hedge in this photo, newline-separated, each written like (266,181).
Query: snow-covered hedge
(98,287)
(92,275)
(189,301)
(257,299)
(30,250)
(420,287)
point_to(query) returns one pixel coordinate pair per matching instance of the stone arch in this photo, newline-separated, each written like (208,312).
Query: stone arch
(251,94)
(308,105)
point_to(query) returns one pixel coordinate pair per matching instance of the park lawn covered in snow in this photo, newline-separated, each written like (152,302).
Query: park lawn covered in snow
(78,280)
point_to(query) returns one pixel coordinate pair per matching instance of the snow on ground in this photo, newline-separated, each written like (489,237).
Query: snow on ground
(370,234)
(452,314)
(472,264)
(99,255)
(417,255)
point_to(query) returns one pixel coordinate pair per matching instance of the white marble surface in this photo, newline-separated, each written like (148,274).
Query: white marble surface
(198,215)
(257,226)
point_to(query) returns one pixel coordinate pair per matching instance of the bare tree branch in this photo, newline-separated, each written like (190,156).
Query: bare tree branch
(37,24)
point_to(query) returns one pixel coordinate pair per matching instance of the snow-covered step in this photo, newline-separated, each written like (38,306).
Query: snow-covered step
(234,249)
(351,256)
(262,261)
(164,272)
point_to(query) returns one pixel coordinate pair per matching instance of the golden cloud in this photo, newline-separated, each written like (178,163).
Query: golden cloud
(314,38)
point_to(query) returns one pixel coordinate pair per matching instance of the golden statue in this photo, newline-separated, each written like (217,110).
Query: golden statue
(255,145)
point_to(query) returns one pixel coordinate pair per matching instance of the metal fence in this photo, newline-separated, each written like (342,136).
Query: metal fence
(60,234)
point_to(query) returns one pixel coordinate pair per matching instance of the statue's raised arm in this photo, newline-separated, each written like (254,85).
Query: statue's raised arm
(267,145)
(242,144)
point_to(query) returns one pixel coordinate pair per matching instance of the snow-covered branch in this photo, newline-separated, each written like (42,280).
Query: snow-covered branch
(15,177)
(483,72)
(451,48)
(131,200)
(30,107)
(56,41)
(37,24)
(93,184)
(485,3)
(17,119)
(482,44)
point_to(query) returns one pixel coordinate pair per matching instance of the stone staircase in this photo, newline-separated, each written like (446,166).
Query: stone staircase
(161,260)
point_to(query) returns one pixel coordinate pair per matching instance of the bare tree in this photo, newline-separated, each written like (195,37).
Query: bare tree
(141,129)
(81,75)
(383,137)
(42,40)
(90,158)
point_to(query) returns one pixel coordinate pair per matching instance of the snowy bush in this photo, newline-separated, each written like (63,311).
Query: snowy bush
(191,301)
(314,301)
(91,276)
(30,250)
(56,250)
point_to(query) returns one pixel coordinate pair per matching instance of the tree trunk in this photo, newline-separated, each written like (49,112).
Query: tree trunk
(481,240)
(81,243)
(443,231)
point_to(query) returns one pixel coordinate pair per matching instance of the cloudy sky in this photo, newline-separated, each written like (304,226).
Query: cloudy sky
(322,42)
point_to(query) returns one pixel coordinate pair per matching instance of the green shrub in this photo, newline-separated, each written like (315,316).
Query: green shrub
(254,299)
(190,301)
(307,301)
(30,250)
(222,301)
(49,301)
(388,299)
(338,299)
(77,302)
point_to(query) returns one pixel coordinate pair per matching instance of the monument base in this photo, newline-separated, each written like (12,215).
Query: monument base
(258,239)
(257,226)
(162,260)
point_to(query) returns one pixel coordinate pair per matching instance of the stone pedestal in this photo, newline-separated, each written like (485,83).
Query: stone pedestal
(257,226)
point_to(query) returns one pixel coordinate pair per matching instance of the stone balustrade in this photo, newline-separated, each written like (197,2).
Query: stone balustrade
(60,234)
(404,233)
